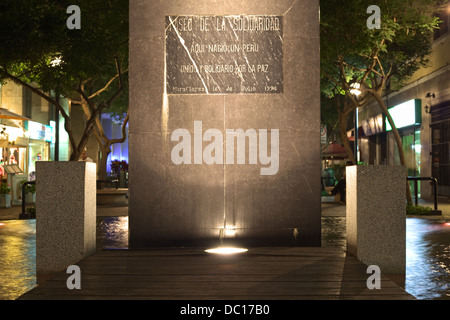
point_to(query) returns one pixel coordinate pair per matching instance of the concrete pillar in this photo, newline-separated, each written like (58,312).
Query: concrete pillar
(65,214)
(376,221)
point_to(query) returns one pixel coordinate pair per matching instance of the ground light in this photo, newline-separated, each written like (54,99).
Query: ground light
(224,232)
(447,224)
(226,250)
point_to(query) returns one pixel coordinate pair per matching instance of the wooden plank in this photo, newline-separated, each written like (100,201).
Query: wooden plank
(239,298)
(187,274)
(266,251)
(216,289)
(224,277)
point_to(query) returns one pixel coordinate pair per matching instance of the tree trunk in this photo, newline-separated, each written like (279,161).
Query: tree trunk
(342,117)
(105,144)
(397,137)
(89,127)
(102,163)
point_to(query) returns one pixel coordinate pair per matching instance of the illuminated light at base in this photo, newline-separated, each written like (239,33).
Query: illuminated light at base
(226,250)
(447,224)
(1,224)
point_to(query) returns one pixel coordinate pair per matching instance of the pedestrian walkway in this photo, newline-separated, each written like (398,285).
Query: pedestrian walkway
(329,208)
(102,211)
(338,209)
(443,205)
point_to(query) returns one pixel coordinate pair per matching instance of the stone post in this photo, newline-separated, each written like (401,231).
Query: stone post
(65,214)
(376,221)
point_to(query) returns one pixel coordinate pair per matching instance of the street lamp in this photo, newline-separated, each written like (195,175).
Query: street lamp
(56,62)
(355,90)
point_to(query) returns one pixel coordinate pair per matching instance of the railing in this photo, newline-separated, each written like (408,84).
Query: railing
(433,181)
(24,215)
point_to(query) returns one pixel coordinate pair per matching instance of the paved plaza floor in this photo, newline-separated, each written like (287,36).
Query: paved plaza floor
(268,273)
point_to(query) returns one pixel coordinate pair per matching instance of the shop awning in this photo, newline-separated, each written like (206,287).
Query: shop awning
(6,114)
(335,151)
(351,134)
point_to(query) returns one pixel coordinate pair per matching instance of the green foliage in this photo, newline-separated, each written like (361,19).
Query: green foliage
(4,188)
(339,170)
(351,52)
(417,210)
(31,211)
(34,33)
(376,59)
(328,115)
(29,188)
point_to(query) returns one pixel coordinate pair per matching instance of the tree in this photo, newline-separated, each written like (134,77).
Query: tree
(343,108)
(328,116)
(93,60)
(353,53)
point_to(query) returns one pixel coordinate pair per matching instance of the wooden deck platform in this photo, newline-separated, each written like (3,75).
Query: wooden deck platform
(268,273)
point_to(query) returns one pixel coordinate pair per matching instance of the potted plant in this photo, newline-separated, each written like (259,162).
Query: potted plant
(5,197)
(119,170)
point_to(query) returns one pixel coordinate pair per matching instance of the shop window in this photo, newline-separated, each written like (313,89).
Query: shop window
(441,155)
(412,150)
(39,151)
(444,16)
(18,156)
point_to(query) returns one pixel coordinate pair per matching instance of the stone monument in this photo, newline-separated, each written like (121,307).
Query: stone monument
(224,134)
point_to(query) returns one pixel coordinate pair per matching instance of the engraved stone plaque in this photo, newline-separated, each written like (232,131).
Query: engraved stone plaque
(230,54)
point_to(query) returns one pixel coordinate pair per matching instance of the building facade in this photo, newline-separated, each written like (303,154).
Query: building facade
(23,142)
(421,112)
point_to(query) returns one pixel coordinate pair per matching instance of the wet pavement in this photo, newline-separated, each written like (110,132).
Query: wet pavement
(428,258)
(17,257)
(428,249)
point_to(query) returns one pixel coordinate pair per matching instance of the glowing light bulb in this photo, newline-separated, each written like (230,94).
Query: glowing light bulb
(226,250)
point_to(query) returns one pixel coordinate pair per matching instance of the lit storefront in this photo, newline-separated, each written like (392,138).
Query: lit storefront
(40,136)
(407,117)
(378,145)
(25,146)
(22,146)
(13,146)
(14,152)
